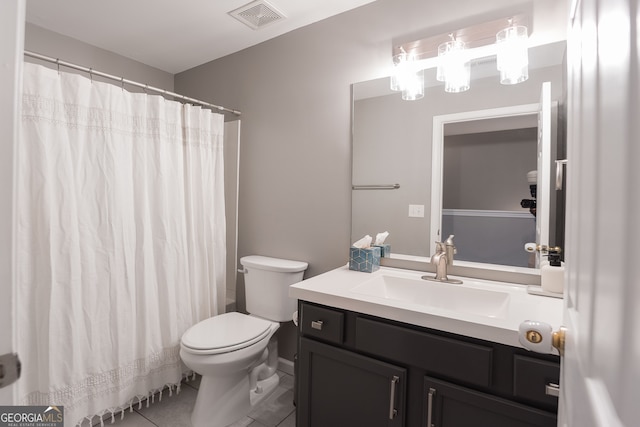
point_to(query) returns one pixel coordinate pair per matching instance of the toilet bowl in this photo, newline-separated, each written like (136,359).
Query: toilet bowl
(225,360)
(236,354)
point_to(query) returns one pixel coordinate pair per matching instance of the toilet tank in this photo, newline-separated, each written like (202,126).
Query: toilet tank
(266,283)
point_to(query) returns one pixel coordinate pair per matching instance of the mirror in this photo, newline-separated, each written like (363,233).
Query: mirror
(393,143)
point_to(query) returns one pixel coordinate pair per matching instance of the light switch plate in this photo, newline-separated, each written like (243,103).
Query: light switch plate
(416,211)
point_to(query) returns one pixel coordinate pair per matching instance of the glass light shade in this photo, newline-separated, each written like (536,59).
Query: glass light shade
(407,78)
(455,67)
(399,65)
(413,85)
(395,82)
(513,55)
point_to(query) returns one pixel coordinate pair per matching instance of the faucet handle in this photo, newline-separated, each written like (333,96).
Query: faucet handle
(449,244)
(440,248)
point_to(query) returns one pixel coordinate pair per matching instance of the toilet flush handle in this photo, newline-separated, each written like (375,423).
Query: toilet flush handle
(243,270)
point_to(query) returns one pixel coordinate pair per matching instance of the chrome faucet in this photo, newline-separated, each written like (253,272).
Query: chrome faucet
(440,260)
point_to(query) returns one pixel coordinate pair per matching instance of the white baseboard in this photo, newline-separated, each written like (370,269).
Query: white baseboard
(285,366)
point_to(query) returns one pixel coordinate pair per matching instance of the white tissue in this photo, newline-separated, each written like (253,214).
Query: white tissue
(365,242)
(381,237)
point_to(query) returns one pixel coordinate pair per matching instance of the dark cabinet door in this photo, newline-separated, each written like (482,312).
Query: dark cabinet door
(449,405)
(338,388)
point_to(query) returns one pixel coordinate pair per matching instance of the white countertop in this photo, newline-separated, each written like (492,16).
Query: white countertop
(335,289)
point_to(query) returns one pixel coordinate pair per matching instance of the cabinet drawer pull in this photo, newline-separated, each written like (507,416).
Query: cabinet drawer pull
(392,399)
(316,324)
(552,389)
(432,392)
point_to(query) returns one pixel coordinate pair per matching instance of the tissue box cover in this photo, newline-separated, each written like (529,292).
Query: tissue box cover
(385,250)
(367,260)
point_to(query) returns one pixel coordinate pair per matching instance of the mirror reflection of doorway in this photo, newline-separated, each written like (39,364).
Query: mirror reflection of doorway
(484,181)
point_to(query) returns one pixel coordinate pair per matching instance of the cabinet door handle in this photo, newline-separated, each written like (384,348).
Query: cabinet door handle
(392,399)
(432,392)
(316,324)
(552,389)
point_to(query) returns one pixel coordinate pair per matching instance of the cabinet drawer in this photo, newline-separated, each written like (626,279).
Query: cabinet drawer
(447,357)
(532,379)
(322,323)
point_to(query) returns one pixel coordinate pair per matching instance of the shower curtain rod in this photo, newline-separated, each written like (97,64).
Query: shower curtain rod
(124,81)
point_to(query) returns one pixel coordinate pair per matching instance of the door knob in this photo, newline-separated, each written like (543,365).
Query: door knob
(558,338)
(10,368)
(540,337)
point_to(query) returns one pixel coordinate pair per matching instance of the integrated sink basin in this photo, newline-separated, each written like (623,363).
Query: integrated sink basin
(478,308)
(444,296)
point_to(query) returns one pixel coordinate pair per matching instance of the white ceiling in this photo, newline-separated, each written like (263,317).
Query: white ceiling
(173,35)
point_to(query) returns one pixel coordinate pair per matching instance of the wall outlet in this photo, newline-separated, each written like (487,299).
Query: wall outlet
(416,211)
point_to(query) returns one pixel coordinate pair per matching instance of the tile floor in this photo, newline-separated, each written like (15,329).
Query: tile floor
(276,411)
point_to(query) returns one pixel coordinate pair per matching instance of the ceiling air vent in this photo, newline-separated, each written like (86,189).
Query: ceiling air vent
(257,14)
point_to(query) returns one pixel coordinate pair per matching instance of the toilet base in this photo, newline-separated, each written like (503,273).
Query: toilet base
(267,386)
(224,400)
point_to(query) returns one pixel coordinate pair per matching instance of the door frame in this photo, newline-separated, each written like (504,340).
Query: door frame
(12,24)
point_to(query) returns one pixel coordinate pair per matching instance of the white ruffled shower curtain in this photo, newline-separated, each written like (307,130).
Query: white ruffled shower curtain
(120,238)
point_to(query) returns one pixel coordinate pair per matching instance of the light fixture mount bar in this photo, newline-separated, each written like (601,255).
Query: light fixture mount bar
(474,36)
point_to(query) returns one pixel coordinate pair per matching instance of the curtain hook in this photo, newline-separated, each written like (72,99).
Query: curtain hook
(146,87)
(58,65)
(91,74)
(122,82)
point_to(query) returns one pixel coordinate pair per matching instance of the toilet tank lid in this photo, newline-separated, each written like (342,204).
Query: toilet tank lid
(273,264)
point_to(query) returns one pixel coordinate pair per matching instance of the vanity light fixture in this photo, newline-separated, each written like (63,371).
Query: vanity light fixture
(513,54)
(452,54)
(455,67)
(407,78)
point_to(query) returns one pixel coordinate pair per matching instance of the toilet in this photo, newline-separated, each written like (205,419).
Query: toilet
(237,354)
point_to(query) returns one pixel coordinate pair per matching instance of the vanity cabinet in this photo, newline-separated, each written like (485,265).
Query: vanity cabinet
(342,387)
(359,370)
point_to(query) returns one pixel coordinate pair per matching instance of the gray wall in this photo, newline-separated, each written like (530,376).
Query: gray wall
(488,171)
(45,42)
(294,92)
(493,239)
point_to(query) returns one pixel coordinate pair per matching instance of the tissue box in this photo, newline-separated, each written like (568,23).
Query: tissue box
(367,260)
(385,250)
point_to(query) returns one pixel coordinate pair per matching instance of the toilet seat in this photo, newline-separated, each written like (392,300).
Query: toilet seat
(225,333)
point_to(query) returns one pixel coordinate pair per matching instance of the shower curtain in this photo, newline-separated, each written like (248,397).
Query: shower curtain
(120,240)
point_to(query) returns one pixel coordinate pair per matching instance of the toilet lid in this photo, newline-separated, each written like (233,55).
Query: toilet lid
(226,332)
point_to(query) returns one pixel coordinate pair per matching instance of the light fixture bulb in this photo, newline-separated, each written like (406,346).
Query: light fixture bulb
(413,85)
(455,67)
(513,54)
(407,77)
